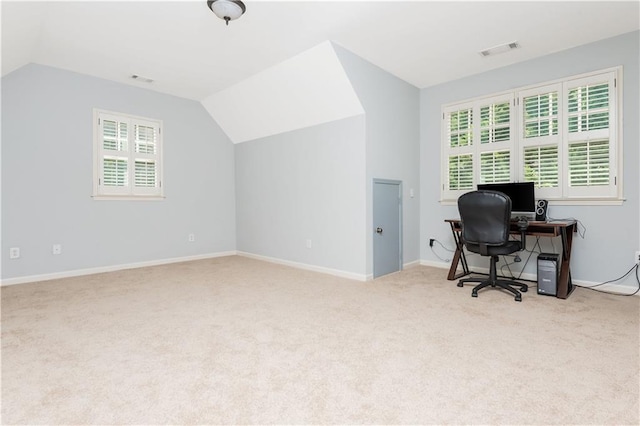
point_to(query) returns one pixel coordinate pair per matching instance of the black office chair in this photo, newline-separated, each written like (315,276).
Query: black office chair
(486,219)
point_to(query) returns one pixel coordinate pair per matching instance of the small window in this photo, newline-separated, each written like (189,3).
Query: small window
(127,156)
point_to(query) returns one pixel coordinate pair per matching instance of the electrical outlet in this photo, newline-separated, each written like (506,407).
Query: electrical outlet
(56,249)
(637,257)
(191,238)
(14,253)
(308,243)
(431,241)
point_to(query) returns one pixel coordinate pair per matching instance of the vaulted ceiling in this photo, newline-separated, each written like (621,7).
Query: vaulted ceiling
(189,52)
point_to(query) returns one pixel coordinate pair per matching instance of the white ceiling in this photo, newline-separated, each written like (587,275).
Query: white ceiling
(189,52)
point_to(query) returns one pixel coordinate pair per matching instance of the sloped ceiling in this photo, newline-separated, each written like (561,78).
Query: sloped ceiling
(191,53)
(188,52)
(308,89)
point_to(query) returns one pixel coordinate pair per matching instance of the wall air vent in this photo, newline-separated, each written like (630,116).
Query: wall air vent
(142,79)
(500,49)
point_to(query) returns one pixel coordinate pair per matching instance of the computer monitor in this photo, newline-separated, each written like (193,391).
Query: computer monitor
(523,200)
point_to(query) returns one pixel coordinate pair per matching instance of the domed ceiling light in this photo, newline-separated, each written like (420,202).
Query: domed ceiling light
(227,9)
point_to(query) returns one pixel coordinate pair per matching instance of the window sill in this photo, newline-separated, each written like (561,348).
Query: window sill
(565,202)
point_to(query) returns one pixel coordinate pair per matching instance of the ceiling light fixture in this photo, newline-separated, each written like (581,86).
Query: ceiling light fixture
(227,9)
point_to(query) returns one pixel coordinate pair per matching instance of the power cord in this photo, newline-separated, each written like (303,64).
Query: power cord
(626,274)
(578,224)
(526,262)
(582,234)
(432,241)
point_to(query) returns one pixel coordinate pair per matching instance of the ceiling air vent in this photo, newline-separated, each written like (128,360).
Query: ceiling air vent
(142,79)
(500,49)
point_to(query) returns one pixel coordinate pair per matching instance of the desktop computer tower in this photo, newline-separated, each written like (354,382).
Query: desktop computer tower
(548,269)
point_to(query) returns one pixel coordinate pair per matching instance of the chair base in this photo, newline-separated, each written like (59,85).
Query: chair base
(506,285)
(493,281)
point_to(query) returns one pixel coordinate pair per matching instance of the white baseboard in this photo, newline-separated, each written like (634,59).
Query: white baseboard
(613,288)
(112,268)
(411,264)
(335,272)
(435,264)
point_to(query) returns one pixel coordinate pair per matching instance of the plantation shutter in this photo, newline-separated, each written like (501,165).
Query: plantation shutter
(495,167)
(590,114)
(128,156)
(458,131)
(564,136)
(496,140)
(114,155)
(540,139)
(146,160)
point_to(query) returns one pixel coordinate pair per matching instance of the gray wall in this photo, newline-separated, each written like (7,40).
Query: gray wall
(612,232)
(316,183)
(392,109)
(47,145)
(305,184)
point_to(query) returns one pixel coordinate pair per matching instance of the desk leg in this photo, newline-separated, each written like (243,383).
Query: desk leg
(457,257)
(565,286)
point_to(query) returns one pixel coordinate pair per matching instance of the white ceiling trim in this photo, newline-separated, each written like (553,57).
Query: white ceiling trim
(309,89)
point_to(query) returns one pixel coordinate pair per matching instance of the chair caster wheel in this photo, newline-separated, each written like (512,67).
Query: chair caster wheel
(518,298)
(460,284)
(474,294)
(524,289)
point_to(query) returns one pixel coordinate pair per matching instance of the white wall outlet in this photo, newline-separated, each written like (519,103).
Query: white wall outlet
(638,257)
(191,238)
(56,249)
(14,253)
(308,243)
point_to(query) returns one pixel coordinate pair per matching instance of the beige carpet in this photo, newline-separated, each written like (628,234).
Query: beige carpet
(239,341)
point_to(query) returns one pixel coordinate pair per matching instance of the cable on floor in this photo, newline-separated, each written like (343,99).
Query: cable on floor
(626,274)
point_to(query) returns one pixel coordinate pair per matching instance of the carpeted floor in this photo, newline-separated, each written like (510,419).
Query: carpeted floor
(239,341)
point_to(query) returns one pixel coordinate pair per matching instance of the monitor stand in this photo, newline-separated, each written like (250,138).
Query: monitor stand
(527,215)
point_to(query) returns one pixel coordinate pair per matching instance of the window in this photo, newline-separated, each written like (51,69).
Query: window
(487,161)
(128,156)
(563,136)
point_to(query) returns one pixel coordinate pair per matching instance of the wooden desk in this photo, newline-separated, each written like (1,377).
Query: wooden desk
(564,229)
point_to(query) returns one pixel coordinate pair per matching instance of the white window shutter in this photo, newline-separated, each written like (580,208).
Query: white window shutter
(458,153)
(495,129)
(495,166)
(564,136)
(540,121)
(590,130)
(128,156)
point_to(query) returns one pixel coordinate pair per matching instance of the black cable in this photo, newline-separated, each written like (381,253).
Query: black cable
(441,245)
(578,224)
(436,254)
(508,265)
(593,287)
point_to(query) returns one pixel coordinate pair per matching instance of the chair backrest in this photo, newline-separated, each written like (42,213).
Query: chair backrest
(485,217)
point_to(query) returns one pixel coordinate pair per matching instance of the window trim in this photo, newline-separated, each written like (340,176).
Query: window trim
(126,193)
(518,143)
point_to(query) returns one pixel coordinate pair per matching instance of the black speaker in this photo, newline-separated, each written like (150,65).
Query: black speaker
(541,210)
(548,273)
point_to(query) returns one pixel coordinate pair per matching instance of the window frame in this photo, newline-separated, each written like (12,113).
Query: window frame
(129,191)
(563,194)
